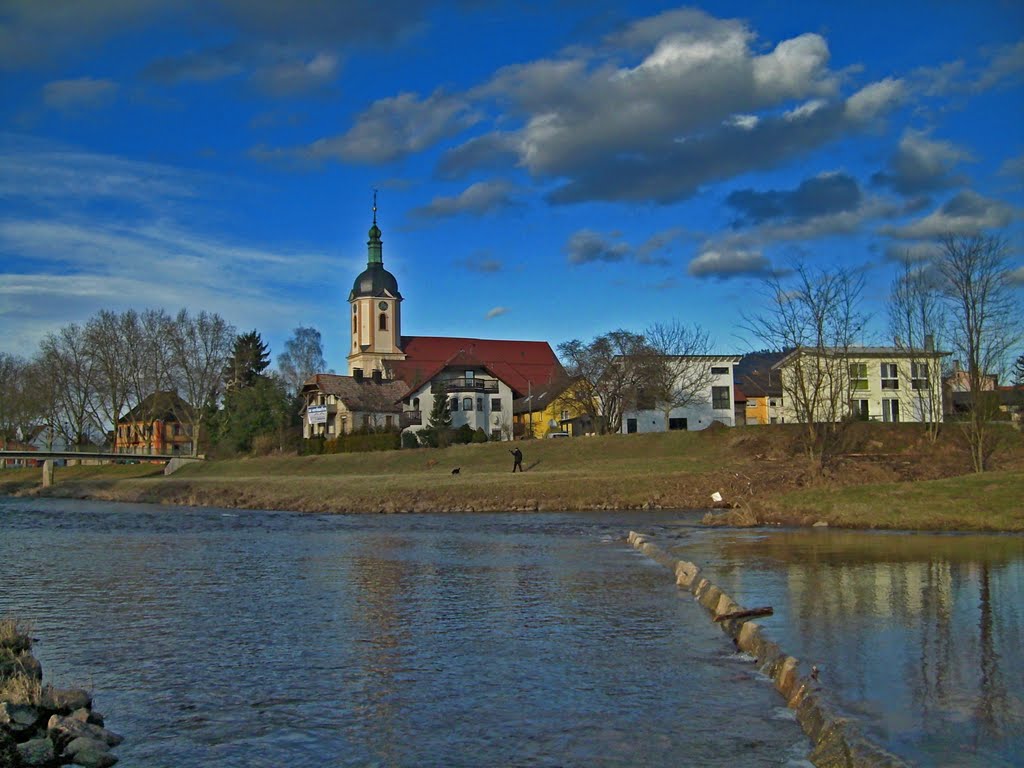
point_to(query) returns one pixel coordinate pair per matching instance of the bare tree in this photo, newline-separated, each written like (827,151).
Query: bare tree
(147,366)
(302,357)
(199,350)
(605,384)
(21,408)
(985,321)
(917,320)
(814,314)
(107,336)
(676,380)
(71,372)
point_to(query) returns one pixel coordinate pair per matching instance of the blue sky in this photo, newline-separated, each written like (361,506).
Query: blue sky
(545,171)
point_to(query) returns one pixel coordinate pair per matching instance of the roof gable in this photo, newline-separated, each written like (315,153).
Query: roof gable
(359,394)
(522,365)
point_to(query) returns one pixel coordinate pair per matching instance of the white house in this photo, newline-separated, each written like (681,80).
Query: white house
(869,383)
(707,381)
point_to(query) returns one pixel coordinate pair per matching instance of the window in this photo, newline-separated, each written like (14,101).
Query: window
(859,375)
(859,408)
(383,322)
(415,403)
(774,420)
(677,424)
(495,434)
(495,403)
(469,374)
(919,376)
(890,376)
(366,421)
(479,403)
(454,404)
(353,325)
(564,415)
(891,410)
(720,398)
(467,403)
(719,370)
(354,310)
(388,421)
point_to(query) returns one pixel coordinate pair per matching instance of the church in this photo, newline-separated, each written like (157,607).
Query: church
(393,379)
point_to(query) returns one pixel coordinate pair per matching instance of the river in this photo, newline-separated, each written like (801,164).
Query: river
(232,638)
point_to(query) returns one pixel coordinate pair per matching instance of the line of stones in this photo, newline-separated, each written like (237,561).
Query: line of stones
(836,742)
(61,728)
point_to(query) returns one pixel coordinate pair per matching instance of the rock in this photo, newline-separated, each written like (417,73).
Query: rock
(9,755)
(89,752)
(94,758)
(18,718)
(84,742)
(86,715)
(820,524)
(37,753)
(65,700)
(64,730)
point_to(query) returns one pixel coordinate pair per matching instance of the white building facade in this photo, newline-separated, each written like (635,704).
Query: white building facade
(712,400)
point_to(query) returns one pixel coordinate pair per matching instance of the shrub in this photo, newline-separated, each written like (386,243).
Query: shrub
(479,436)
(409,440)
(463,435)
(14,635)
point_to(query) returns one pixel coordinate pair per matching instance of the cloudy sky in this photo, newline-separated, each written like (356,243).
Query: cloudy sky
(545,170)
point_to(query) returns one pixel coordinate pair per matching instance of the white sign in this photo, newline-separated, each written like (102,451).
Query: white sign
(317,414)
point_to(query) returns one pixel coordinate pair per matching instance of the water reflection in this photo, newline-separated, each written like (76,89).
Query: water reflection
(274,639)
(918,635)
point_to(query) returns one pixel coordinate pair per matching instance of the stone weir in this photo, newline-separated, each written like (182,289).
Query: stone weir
(837,744)
(42,726)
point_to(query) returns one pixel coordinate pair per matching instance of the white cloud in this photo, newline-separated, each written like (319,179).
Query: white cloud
(477,199)
(725,264)
(1016,276)
(921,164)
(967,212)
(79,94)
(495,312)
(871,101)
(391,128)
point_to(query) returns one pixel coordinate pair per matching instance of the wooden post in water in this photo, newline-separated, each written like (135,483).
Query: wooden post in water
(47,473)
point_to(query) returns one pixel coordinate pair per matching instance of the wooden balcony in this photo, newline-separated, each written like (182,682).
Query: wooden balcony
(410,419)
(462,384)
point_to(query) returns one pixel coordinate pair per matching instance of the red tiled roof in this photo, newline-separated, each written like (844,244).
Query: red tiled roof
(520,364)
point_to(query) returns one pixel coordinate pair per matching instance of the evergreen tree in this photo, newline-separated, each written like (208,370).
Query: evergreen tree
(439,423)
(250,357)
(262,409)
(1018,371)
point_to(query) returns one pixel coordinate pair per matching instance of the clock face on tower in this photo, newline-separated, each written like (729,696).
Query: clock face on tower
(383,305)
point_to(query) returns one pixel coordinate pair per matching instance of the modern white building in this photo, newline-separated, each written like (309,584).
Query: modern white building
(706,382)
(870,383)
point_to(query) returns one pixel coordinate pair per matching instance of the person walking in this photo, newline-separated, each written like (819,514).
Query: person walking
(517,456)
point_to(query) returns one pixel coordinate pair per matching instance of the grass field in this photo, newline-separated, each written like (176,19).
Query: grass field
(891,478)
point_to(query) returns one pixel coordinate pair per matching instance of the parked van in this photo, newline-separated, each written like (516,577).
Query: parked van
(558,434)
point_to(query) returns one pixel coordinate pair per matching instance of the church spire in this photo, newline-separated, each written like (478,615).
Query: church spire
(373,245)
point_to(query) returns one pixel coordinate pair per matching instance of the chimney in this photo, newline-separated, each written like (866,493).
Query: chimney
(357,374)
(929,343)
(376,376)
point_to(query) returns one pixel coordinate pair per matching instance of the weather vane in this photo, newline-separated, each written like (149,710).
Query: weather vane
(375,206)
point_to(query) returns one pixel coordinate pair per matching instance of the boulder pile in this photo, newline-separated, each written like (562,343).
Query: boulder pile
(42,726)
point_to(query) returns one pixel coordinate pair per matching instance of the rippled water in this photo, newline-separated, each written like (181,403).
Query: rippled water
(919,637)
(270,639)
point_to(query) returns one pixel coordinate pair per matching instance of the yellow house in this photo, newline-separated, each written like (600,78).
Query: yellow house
(546,411)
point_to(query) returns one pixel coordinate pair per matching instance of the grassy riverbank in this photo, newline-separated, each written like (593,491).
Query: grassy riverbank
(889,477)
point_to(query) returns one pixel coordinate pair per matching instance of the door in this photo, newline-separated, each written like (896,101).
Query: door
(631,426)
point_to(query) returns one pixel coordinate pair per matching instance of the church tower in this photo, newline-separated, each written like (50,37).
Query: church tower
(376,316)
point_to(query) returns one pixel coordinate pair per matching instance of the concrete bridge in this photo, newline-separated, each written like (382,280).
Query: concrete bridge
(173,462)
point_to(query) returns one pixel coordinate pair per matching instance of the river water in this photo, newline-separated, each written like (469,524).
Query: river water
(216,637)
